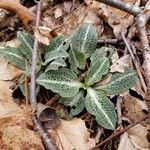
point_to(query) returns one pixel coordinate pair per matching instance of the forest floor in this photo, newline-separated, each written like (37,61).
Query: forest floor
(125,29)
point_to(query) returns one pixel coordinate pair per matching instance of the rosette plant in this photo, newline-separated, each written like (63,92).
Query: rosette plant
(65,59)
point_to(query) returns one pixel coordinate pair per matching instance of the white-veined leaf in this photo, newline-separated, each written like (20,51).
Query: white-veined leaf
(13,56)
(26,44)
(85,39)
(54,65)
(119,82)
(76,103)
(56,54)
(55,44)
(96,71)
(101,52)
(77,59)
(60,81)
(79,107)
(101,107)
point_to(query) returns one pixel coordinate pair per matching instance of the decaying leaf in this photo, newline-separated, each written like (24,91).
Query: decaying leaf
(73,135)
(133,108)
(120,20)
(135,139)
(19,138)
(118,65)
(8,71)
(14,133)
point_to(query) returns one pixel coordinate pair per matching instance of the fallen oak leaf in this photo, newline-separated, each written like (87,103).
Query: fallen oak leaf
(72,134)
(134,139)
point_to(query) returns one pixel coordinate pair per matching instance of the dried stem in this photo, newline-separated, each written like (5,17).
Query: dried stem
(24,13)
(36,122)
(135,63)
(129,8)
(114,135)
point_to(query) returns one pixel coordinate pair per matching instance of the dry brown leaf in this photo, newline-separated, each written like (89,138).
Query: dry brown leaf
(119,64)
(70,21)
(18,138)
(120,20)
(14,134)
(8,71)
(41,38)
(73,135)
(138,88)
(133,108)
(134,139)
(7,105)
(58,12)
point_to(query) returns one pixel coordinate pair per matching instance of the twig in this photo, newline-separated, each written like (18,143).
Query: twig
(25,14)
(53,100)
(141,24)
(118,133)
(109,41)
(131,9)
(36,122)
(49,144)
(118,105)
(135,63)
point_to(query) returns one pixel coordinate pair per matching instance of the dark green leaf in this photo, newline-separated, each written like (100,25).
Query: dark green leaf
(119,83)
(102,108)
(60,81)
(26,44)
(13,56)
(97,71)
(85,39)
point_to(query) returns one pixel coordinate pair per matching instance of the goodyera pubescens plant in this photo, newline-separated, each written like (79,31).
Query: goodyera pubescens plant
(60,77)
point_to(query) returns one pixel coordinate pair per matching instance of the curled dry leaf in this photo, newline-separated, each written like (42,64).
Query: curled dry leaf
(73,135)
(135,139)
(119,64)
(41,38)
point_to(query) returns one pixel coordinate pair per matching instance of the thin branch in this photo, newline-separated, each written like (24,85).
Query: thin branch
(109,41)
(118,105)
(49,145)
(129,8)
(135,63)
(114,135)
(33,66)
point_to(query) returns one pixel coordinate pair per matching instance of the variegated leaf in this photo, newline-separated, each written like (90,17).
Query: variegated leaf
(76,103)
(77,59)
(26,44)
(96,71)
(101,52)
(85,39)
(101,107)
(13,56)
(56,54)
(54,65)
(55,44)
(60,81)
(79,107)
(119,82)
